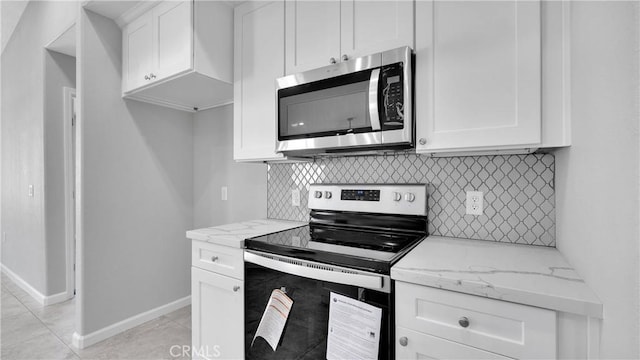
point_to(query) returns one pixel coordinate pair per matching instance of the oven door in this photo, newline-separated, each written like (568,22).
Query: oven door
(309,285)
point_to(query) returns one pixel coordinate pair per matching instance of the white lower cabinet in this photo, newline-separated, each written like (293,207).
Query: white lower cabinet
(422,346)
(217,313)
(442,324)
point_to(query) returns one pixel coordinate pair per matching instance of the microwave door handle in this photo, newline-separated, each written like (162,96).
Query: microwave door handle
(373,99)
(360,280)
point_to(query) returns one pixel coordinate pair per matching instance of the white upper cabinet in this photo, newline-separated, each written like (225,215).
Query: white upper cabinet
(478,75)
(321,32)
(374,26)
(313,34)
(259,61)
(138,37)
(174,31)
(179,54)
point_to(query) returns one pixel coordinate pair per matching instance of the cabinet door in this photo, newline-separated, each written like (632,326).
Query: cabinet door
(477,75)
(500,327)
(137,41)
(173,38)
(374,26)
(217,315)
(259,60)
(423,346)
(313,34)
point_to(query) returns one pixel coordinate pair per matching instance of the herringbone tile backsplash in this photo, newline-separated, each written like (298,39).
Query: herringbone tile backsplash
(519,194)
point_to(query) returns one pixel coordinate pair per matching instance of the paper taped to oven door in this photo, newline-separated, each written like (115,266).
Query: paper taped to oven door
(354,329)
(274,318)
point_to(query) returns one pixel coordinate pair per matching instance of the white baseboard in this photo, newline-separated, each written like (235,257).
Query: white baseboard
(57,298)
(42,299)
(83,341)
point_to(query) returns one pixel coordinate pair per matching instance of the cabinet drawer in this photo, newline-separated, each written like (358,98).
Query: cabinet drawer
(220,259)
(497,326)
(422,346)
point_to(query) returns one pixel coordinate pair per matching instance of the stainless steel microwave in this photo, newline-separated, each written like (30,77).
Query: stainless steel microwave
(360,104)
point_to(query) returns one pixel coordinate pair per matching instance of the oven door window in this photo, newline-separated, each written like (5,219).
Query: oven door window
(336,106)
(305,333)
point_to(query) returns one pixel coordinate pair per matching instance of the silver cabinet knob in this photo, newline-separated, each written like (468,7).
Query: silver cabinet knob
(332,60)
(327,195)
(146,77)
(409,197)
(236,288)
(318,194)
(464,322)
(422,141)
(214,258)
(397,196)
(404,341)
(345,57)
(152,76)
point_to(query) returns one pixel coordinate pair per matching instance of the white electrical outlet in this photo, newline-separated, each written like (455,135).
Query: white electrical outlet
(295,197)
(223,193)
(475,203)
(4,237)
(31,190)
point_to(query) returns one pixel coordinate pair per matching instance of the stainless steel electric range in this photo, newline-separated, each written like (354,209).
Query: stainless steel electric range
(354,236)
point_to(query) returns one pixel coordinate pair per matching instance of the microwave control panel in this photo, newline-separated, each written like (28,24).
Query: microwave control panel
(392,96)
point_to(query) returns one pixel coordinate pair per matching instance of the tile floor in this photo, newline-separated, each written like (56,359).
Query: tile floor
(31,331)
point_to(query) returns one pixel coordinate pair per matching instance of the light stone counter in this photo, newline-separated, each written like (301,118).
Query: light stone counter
(530,275)
(234,234)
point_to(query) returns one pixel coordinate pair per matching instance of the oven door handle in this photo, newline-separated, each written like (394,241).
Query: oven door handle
(315,271)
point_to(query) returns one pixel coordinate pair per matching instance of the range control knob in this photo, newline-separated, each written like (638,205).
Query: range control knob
(327,194)
(318,194)
(409,197)
(397,196)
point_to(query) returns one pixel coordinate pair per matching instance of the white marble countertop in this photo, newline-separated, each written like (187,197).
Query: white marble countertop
(530,275)
(234,234)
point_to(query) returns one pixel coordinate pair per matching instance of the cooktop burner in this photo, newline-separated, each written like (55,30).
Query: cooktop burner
(363,239)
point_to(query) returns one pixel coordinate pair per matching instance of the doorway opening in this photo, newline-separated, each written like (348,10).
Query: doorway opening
(60,141)
(70,111)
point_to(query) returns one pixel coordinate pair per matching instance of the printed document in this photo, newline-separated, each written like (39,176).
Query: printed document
(274,318)
(354,329)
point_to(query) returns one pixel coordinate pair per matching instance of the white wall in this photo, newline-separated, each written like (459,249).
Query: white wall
(11,12)
(597,187)
(22,108)
(60,71)
(136,190)
(214,167)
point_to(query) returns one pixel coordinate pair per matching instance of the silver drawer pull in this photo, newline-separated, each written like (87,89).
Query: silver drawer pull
(404,341)
(236,288)
(214,258)
(464,322)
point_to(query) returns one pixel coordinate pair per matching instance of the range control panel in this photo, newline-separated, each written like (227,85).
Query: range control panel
(360,195)
(408,199)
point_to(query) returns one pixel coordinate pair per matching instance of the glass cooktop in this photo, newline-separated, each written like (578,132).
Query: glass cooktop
(362,249)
